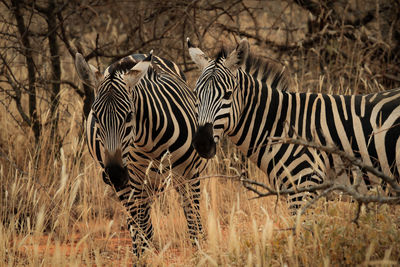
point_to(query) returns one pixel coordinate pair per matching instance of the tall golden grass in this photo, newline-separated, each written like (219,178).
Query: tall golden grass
(57,211)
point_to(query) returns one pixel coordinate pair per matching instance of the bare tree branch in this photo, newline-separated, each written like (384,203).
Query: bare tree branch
(353,160)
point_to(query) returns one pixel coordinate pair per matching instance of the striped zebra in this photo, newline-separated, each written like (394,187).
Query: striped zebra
(140,131)
(246,98)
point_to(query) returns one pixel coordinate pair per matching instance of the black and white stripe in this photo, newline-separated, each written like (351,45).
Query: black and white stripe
(140,131)
(245,98)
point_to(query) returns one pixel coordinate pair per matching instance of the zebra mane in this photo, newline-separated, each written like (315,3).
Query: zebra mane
(222,54)
(161,65)
(267,71)
(272,73)
(125,64)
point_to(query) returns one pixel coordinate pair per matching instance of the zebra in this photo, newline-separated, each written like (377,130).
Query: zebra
(139,130)
(246,98)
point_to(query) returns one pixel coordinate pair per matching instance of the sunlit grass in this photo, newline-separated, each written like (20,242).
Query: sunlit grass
(57,211)
(73,219)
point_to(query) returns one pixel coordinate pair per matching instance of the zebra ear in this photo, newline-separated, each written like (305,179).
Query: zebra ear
(134,75)
(88,74)
(238,56)
(197,55)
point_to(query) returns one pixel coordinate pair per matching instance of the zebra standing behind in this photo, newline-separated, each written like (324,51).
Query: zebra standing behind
(244,97)
(140,131)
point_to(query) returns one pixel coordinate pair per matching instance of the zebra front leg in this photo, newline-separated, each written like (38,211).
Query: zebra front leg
(140,227)
(190,198)
(138,205)
(297,200)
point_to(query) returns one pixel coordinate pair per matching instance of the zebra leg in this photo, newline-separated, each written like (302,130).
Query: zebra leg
(140,227)
(297,200)
(190,198)
(138,205)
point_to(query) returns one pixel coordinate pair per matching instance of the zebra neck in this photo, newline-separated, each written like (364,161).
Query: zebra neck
(264,112)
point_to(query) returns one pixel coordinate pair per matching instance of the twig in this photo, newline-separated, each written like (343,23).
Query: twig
(314,200)
(355,220)
(334,150)
(247,183)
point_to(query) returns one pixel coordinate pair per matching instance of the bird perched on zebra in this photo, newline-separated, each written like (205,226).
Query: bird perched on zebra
(242,96)
(140,130)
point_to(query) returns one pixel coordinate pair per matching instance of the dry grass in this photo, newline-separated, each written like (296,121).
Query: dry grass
(56,211)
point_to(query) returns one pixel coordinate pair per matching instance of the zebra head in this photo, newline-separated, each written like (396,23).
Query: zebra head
(112,111)
(216,93)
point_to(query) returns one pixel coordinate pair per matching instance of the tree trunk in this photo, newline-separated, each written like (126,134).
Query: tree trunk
(27,52)
(55,68)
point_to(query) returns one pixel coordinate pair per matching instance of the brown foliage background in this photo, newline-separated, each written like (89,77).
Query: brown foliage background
(341,46)
(49,183)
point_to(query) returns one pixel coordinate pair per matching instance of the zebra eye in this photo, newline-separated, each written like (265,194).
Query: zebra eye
(128,117)
(227,95)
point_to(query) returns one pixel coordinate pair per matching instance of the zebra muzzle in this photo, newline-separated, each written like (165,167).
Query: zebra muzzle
(203,141)
(115,171)
(117,175)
